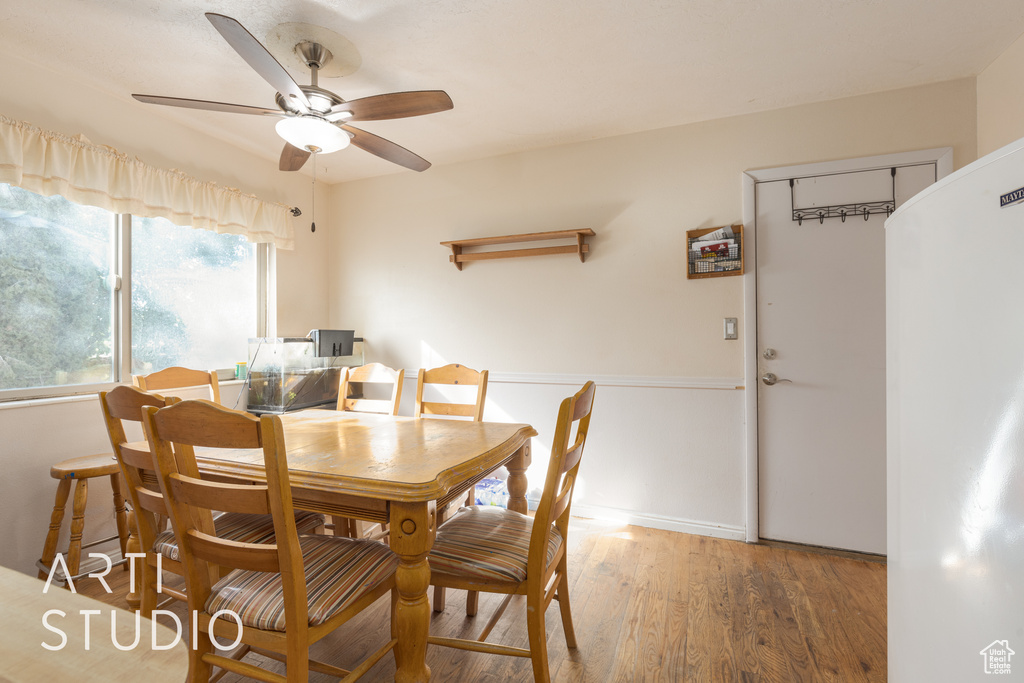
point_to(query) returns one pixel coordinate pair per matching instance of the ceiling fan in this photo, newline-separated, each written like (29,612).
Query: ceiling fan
(314,120)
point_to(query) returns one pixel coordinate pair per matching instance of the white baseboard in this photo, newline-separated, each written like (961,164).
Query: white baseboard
(686,526)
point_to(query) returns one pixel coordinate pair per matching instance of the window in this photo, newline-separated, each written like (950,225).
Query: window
(193,297)
(67,298)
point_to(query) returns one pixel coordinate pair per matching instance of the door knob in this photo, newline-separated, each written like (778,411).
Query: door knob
(770,378)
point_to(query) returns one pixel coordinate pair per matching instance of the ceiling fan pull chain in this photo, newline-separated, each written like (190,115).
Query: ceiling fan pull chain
(312,213)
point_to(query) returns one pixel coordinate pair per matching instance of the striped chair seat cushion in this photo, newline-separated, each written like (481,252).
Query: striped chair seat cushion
(244,528)
(339,571)
(487,542)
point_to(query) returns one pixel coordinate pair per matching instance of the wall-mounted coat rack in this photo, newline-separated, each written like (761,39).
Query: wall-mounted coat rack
(843,211)
(580,247)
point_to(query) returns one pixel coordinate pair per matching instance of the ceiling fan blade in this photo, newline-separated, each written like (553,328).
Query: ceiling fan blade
(386,149)
(394,105)
(292,158)
(205,104)
(257,56)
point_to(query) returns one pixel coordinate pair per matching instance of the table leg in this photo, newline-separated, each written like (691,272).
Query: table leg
(413,526)
(517,483)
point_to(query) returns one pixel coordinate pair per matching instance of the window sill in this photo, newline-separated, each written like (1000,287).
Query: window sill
(35,402)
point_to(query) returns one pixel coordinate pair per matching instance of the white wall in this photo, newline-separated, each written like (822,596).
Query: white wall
(664,449)
(1001,100)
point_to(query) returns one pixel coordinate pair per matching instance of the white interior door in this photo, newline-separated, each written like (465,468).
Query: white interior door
(821,332)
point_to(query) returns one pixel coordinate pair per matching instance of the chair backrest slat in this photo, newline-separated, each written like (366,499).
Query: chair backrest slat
(384,406)
(255,557)
(563,498)
(572,457)
(138,458)
(193,424)
(179,378)
(452,375)
(213,495)
(153,501)
(453,409)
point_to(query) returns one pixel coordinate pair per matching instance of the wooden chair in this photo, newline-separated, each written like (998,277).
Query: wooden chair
(149,510)
(178,378)
(374,373)
(80,470)
(286,595)
(490,549)
(451,375)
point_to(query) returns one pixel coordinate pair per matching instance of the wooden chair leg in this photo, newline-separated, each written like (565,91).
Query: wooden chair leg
(120,515)
(562,595)
(132,547)
(200,671)
(438,598)
(147,594)
(345,526)
(472,603)
(56,520)
(77,525)
(538,638)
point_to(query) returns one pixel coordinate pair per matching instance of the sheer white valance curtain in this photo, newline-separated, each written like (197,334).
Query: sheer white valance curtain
(49,163)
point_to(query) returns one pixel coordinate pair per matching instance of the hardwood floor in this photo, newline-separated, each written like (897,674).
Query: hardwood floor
(652,605)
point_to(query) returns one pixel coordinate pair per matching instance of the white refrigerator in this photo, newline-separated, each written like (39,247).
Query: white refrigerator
(955,407)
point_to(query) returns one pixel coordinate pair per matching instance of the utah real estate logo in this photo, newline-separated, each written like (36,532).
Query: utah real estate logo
(997,657)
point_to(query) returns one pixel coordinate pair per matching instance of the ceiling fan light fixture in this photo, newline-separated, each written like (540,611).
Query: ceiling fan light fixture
(310,132)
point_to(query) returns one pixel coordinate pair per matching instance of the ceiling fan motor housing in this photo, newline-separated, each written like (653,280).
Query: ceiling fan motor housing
(320,100)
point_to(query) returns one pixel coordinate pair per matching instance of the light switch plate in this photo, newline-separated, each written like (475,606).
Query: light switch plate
(730,328)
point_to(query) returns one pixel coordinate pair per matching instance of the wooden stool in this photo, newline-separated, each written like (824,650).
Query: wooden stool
(81,470)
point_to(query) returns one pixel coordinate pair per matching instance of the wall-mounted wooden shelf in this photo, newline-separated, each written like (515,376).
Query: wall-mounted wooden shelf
(580,247)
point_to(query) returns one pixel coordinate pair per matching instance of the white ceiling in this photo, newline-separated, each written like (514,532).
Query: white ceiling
(523,74)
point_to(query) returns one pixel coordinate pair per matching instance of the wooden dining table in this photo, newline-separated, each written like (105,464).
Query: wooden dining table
(399,470)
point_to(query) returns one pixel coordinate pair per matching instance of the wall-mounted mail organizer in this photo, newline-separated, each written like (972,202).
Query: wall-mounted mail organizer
(578,246)
(714,252)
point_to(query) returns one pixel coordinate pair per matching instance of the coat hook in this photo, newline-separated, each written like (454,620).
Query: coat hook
(842,215)
(799,219)
(821,217)
(866,213)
